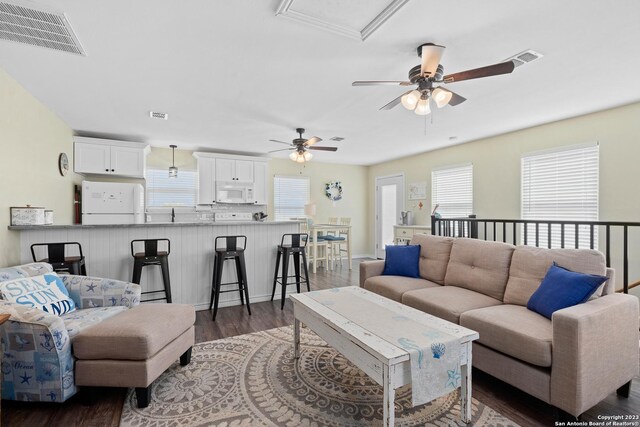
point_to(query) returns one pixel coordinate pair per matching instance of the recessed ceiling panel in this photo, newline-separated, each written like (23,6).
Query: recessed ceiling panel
(356,19)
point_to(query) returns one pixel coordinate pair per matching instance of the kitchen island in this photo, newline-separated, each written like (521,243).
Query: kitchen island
(107,250)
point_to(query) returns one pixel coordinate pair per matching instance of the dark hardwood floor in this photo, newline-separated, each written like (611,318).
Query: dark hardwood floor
(231,321)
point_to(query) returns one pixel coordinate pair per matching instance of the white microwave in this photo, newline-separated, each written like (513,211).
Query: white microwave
(234,192)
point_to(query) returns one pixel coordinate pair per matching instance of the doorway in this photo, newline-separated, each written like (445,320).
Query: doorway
(389,203)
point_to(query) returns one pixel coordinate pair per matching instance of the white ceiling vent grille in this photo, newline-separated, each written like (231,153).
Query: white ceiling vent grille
(524,57)
(336,138)
(37,27)
(157,115)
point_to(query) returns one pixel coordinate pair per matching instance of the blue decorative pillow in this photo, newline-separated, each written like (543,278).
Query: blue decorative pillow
(562,288)
(402,260)
(45,292)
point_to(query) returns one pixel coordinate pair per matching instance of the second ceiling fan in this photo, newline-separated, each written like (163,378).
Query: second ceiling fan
(300,147)
(431,73)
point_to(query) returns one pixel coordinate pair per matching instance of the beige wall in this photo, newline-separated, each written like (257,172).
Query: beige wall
(31,137)
(496,165)
(354,201)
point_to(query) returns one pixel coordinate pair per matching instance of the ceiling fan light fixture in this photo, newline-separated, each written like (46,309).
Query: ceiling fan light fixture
(307,156)
(422,108)
(300,158)
(441,97)
(410,100)
(293,156)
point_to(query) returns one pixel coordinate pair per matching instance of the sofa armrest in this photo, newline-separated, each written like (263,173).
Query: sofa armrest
(37,362)
(595,351)
(89,292)
(370,269)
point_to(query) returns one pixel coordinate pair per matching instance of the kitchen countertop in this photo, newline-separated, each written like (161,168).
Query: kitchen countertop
(147,224)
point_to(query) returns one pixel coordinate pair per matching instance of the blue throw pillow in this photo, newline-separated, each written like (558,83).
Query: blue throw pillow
(402,260)
(562,288)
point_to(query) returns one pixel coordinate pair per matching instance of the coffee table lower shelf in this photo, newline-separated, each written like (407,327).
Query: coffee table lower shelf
(386,364)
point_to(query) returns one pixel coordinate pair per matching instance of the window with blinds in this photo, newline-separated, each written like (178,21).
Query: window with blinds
(452,191)
(561,185)
(163,191)
(290,194)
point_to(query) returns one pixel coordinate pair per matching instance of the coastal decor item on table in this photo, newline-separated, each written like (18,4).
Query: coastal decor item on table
(333,190)
(300,146)
(254,380)
(431,73)
(63,164)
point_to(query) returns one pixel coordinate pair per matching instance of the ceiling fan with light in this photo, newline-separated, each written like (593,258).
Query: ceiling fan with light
(300,147)
(431,73)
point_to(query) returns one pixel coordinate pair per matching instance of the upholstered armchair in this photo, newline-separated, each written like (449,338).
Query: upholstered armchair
(37,361)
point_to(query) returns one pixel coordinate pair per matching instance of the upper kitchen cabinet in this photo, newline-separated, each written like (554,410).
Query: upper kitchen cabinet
(260,183)
(234,170)
(108,157)
(206,180)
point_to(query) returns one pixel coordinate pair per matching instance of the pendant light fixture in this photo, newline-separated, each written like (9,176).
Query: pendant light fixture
(173,170)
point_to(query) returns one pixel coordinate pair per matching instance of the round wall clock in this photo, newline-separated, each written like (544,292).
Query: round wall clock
(63,164)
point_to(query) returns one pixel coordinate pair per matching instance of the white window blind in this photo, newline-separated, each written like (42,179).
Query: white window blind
(171,192)
(561,185)
(452,190)
(290,194)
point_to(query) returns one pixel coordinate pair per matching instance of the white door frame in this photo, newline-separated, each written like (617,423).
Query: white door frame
(376,231)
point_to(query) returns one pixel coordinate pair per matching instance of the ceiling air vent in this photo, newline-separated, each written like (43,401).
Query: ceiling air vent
(524,57)
(37,27)
(336,139)
(156,115)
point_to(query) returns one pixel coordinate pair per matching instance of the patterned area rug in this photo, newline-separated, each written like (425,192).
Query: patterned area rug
(252,380)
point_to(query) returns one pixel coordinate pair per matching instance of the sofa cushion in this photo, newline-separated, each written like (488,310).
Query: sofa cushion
(25,270)
(135,334)
(402,260)
(480,266)
(513,330)
(45,292)
(529,265)
(79,320)
(447,302)
(562,288)
(434,256)
(393,287)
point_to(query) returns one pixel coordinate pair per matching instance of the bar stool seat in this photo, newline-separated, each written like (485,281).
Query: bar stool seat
(295,246)
(231,251)
(56,256)
(151,256)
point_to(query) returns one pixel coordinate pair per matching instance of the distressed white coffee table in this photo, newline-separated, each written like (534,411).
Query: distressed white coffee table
(387,364)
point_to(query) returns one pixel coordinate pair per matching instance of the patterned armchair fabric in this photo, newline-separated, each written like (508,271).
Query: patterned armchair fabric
(37,363)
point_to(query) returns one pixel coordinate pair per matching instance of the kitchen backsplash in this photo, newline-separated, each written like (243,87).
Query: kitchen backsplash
(201,213)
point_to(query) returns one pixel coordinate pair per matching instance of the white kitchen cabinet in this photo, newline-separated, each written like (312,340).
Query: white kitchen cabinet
(234,170)
(260,183)
(106,157)
(206,180)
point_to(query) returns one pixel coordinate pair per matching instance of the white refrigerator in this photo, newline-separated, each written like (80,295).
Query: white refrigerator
(112,203)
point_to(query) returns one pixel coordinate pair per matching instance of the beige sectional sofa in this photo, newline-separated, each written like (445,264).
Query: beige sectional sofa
(572,361)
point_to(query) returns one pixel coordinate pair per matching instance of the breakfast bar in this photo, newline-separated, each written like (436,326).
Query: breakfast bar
(107,252)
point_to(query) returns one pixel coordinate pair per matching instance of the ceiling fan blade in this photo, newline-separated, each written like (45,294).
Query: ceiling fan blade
(431,55)
(280,142)
(283,149)
(324,148)
(380,82)
(395,102)
(313,140)
(476,73)
(456,99)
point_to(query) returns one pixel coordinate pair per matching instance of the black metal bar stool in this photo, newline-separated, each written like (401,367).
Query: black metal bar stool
(232,250)
(151,256)
(291,244)
(56,256)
